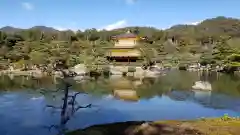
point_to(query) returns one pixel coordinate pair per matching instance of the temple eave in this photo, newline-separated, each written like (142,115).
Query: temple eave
(124,55)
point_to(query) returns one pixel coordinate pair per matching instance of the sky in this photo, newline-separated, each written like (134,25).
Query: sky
(111,14)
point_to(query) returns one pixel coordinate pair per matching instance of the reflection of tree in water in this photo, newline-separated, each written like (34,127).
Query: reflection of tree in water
(183,81)
(149,88)
(176,80)
(227,84)
(224,88)
(180,95)
(207,99)
(222,83)
(149,81)
(25,82)
(206,76)
(180,80)
(97,87)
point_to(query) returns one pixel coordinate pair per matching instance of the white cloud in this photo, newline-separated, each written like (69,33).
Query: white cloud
(195,23)
(118,24)
(70,26)
(27,6)
(130,2)
(60,28)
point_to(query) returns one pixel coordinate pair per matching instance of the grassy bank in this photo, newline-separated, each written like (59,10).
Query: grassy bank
(214,126)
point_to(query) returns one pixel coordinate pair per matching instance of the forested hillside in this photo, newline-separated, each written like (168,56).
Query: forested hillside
(213,41)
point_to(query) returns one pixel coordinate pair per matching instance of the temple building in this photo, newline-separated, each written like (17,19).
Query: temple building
(125,49)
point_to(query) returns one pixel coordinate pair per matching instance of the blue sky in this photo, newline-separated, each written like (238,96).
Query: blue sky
(109,14)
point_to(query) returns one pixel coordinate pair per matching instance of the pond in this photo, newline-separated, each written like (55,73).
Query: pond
(24,111)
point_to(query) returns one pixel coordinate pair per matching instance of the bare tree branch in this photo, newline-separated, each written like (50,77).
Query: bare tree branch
(54,107)
(69,106)
(80,107)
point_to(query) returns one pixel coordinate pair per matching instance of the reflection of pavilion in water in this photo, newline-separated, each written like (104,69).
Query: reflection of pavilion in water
(125,89)
(206,98)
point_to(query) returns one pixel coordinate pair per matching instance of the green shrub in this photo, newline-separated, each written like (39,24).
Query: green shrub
(106,70)
(182,67)
(225,117)
(230,68)
(124,74)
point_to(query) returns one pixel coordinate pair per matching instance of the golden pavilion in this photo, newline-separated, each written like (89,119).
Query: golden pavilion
(124,49)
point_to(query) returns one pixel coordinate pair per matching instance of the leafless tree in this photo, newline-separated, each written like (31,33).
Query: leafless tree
(68,107)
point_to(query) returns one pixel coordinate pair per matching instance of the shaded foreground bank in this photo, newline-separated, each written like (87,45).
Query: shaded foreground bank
(217,126)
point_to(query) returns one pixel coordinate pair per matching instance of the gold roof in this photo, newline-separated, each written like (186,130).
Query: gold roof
(124,53)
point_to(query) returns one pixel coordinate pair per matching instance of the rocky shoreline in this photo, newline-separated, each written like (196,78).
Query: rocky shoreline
(133,71)
(81,70)
(219,126)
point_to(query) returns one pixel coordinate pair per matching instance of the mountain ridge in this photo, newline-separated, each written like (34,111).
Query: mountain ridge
(225,24)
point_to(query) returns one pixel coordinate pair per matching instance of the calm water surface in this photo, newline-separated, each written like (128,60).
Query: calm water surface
(23,108)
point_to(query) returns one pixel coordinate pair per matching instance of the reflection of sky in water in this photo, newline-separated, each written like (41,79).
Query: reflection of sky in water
(22,114)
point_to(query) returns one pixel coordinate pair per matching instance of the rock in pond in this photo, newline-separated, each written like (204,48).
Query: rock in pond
(200,85)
